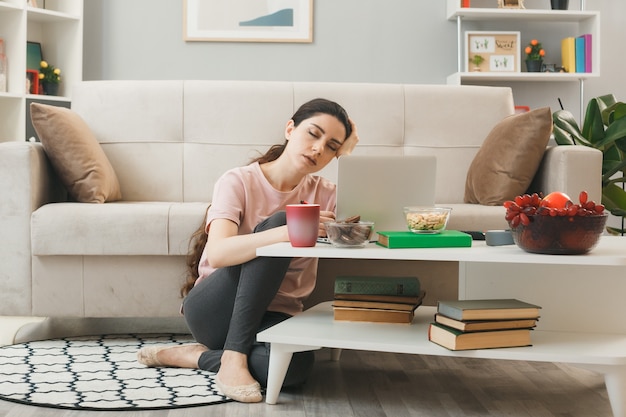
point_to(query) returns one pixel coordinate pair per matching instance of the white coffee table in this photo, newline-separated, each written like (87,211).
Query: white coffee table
(592,345)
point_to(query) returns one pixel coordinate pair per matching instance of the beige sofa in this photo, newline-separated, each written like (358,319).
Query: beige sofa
(168,141)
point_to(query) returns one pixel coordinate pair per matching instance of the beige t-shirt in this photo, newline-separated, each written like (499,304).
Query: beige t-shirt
(244,196)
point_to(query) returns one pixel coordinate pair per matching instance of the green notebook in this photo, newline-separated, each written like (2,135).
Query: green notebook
(445,239)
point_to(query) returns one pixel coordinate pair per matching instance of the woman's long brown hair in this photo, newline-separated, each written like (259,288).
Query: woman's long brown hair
(196,246)
(309,109)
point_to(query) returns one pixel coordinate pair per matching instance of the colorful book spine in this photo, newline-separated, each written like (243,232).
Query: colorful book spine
(568,54)
(588,51)
(465,3)
(580,54)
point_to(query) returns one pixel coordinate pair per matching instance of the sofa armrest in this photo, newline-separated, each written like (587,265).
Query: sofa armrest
(570,169)
(27,181)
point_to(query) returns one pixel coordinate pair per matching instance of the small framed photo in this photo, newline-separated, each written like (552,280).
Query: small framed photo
(34,56)
(511,4)
(492,51)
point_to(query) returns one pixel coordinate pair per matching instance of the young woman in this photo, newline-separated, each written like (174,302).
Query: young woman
(236,294)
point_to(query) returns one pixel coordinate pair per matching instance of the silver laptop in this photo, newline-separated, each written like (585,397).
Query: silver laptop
(378,187)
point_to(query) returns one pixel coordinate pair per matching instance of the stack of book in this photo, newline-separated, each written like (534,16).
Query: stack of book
(576,53)
(483,324)
(376,299)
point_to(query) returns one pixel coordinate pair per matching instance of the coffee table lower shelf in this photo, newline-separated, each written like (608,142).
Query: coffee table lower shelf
(315,328)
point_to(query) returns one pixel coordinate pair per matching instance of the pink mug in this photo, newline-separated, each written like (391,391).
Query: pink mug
(303,222)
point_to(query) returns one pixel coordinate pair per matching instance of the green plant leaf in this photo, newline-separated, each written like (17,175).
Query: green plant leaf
(566,130)
(616,180)
(614,134)
(605,103)
(562,137)
(593,126)
(609,169)
(614,231)
(619,110)
(614,199)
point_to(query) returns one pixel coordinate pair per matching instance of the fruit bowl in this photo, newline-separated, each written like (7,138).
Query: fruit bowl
(573,229)
(427,219)
(560,235)
(349,234)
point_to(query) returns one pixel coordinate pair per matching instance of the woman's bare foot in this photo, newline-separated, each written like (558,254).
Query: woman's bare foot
(183,356)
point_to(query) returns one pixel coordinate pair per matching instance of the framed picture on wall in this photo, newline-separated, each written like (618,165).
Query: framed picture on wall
(492,51)
(248,20)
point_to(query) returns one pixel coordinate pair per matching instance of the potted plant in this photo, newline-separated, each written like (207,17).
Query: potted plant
(534,56)
(477,60)
(50,78)
(604,128)
(559,4)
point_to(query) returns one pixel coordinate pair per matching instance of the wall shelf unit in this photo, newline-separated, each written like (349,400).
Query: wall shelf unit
(554,24)
(59,29)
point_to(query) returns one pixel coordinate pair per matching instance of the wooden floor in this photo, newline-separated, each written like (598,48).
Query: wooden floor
(396,385)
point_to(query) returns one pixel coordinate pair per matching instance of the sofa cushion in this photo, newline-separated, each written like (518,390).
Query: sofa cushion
(508,159)
(75,154)
(119,228)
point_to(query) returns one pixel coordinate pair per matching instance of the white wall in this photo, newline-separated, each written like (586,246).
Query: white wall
(394,41)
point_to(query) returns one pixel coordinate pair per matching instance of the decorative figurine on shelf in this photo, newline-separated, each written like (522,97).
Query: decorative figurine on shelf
(50,78)
(511,4)
(534,56)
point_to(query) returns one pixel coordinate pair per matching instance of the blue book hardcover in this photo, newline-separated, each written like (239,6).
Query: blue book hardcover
(580,54)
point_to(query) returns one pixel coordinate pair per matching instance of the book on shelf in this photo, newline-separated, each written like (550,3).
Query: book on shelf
(373,315)
(579,45)
(454,339)
(465,3)
(374,311)
(404,299)
(491,309)
(407,239)
(382,305)
(588,50)
(568,54)
(396,286)
(482,325)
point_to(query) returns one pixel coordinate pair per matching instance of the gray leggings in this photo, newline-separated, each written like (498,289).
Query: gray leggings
(227,309)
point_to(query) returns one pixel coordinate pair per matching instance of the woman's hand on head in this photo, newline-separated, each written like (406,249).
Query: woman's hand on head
(348,145)
(325,216)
